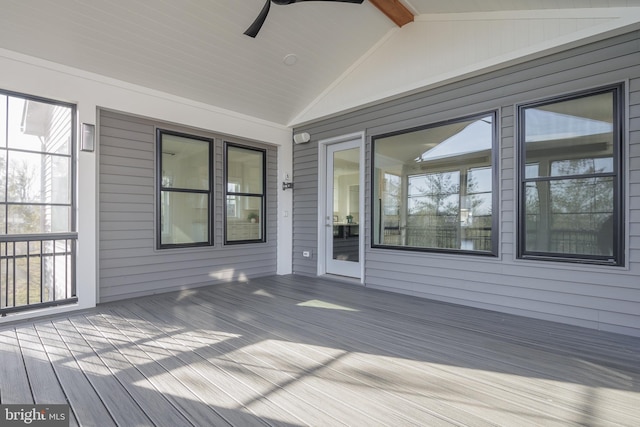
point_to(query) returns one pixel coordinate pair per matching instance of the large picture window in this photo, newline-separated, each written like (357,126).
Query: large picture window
(433,187)
(185,187)
(570,180)
(245,194)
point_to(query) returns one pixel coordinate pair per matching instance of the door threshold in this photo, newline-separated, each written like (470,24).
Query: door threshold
(344,279)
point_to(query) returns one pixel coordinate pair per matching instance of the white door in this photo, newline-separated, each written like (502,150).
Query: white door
(342,216)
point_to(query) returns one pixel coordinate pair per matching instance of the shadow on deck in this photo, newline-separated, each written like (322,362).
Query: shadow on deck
(291,350)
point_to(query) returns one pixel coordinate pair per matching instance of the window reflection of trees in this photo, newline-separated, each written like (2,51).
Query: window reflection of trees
(578,212)
(569,177)
(440,198)
(433,206)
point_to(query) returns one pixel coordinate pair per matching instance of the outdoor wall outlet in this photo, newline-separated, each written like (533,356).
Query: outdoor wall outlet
(306,254)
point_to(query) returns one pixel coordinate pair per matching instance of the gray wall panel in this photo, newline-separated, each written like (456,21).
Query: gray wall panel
(305,208)
(599,297)
(129,264)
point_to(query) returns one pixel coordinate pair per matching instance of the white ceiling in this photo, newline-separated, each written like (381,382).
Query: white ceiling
(196,48)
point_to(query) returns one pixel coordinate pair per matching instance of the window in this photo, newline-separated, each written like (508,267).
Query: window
(185,187)
(35,166)
(570,180)
(37,221)
(433,187)
(245,190)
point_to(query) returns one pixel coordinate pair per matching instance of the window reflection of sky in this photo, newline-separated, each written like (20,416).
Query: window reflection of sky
(480,180)
(477,136)
(544,125)
(17,138)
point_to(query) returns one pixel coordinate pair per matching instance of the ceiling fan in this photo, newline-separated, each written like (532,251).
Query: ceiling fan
(252,31)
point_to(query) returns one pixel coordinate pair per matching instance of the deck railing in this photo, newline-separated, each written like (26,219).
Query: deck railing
(37,271)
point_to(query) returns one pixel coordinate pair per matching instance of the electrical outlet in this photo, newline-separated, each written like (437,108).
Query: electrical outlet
(306,254)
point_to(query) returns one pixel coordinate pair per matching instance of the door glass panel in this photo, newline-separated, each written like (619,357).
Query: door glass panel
(346,197)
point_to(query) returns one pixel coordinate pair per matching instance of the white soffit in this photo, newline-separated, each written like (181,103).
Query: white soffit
(440,48)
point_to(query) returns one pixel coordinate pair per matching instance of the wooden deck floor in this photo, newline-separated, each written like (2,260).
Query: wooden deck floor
(293,351)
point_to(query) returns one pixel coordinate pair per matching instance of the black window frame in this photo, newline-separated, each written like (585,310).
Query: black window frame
(617,259)
(160,189)
(495,174)
(263,196)
(43,244)
(72,156)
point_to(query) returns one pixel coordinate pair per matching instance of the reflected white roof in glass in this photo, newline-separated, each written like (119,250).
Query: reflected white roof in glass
(477,136)
(545,125)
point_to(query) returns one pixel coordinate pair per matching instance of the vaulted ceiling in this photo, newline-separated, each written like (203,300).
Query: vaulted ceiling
(196,49)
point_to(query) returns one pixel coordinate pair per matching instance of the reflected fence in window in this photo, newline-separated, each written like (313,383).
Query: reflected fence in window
(571,240)
(447,237)
(37,271)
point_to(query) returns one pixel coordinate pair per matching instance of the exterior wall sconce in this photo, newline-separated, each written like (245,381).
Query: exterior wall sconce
(301,138)
(88,137)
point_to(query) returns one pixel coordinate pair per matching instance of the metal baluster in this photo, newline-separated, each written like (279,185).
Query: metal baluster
(41,271)
(6,279)
(53,257)
(73,268)
(14,273)
(28,271)
(66,268)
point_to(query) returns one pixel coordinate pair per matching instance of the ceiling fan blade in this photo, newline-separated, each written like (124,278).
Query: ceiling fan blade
(252,31)
(283,2)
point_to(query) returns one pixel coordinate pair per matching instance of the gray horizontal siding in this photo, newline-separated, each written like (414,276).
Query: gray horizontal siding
(129,264)
(607,298)
(305,208)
